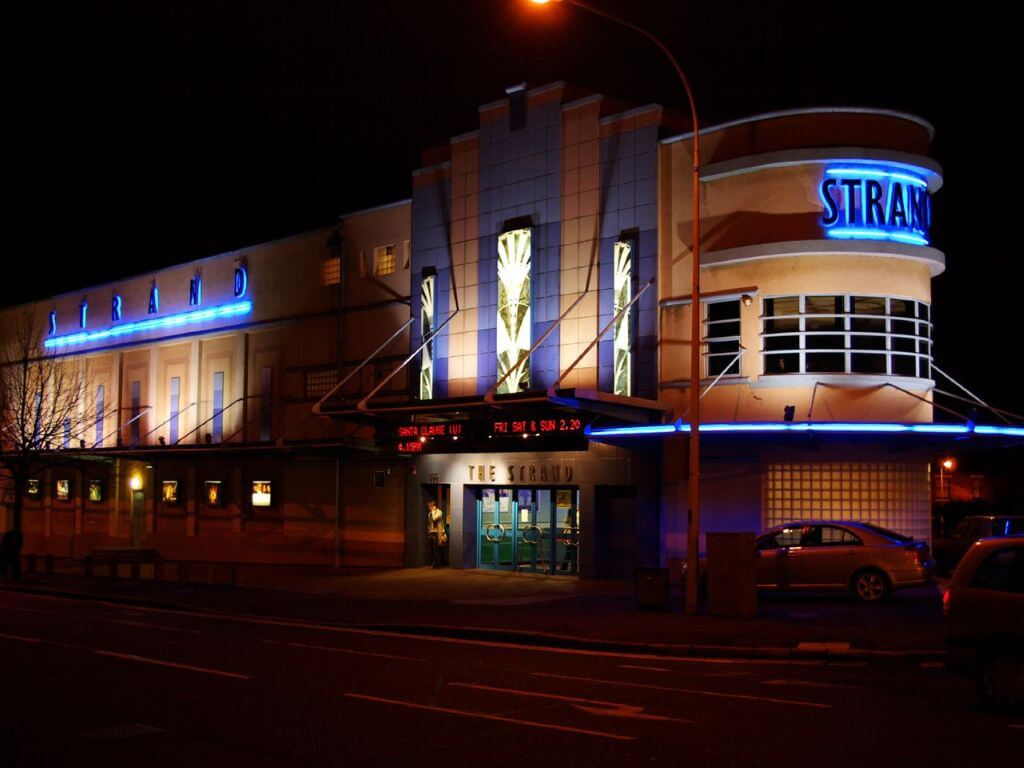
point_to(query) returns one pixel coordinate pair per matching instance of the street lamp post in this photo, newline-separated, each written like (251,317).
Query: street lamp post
(693,518)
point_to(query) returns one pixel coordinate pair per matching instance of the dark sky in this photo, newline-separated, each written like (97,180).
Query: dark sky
(145,134)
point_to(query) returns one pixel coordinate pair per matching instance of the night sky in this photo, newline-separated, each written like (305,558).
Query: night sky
(145,134)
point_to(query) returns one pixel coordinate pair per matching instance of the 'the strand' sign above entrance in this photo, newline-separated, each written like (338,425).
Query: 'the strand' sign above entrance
(875,202)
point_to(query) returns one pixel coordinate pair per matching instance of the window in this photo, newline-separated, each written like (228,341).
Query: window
(384,260)
(320,381)
(266,403)
(722,333)
(514,332)
(32,488)
(1007,526)
(218,406)
(1002,571)
(427,286)
(846,334)
(63,490)
(330,271)
(67,433)
(136,410)
(890,494)
(837,537)
(175,408)
(96,491)
(622,341)
(101,405)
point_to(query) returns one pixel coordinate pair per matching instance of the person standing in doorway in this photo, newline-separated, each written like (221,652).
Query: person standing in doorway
(436,534)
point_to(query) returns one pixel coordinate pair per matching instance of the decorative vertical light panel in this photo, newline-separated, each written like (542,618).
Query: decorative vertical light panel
(623,338)
(513,309)
(427,330)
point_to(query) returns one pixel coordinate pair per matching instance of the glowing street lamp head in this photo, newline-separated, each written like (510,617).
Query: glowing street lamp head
(949,464)
(135,482)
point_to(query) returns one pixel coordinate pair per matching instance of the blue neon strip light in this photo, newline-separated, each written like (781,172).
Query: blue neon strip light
(876,174)
(640,429)
(171,321)
(1001,431)
(857,233)
(833,427)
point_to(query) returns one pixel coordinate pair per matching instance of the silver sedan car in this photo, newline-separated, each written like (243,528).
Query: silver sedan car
(822,554)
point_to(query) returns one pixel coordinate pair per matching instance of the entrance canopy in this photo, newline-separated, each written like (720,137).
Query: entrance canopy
(535,420)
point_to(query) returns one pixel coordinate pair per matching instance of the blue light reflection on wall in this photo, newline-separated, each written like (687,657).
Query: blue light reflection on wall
(170,321)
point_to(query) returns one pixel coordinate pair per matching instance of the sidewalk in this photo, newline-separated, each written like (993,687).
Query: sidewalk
(550,610)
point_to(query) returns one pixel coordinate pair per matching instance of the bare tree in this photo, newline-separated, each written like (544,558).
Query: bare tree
(41,394)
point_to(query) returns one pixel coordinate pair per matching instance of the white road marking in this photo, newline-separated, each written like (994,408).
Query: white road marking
(645,669)
(20,638)
(119,732)
(813,684)
(483,716)
(593,706)
(172,664)
(129,657)
(150,626)
(332,649)
(695,691)
(28,610)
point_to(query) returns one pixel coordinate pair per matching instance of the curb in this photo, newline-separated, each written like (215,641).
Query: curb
(540,639)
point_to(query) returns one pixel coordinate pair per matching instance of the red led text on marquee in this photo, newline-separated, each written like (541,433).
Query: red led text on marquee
(536,426)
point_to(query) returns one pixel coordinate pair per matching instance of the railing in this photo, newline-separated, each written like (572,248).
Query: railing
(618,316)
(169,419)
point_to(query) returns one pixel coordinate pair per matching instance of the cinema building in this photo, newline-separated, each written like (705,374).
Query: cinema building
(195,434)
(513,344)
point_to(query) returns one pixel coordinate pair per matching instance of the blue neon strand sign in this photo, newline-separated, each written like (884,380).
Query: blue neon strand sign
(875,202)
(170,321)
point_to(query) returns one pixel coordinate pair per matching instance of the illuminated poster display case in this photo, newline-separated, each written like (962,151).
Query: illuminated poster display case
(214,493)
(262,493)
(169,491)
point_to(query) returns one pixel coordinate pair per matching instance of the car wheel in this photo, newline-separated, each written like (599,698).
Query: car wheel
(1000,678)
(870,586)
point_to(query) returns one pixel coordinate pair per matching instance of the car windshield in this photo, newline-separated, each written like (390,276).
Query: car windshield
(888,534)
(1007,526)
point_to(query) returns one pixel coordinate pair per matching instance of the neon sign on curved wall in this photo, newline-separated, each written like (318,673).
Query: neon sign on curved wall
(873,201)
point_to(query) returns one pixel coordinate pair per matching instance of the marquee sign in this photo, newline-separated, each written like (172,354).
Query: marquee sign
(515,432)
(875,202)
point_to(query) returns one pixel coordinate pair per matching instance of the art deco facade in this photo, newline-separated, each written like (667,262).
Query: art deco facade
(513,342)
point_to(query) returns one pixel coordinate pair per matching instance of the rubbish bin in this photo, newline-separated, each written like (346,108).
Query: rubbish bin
(652,592)
(732,585)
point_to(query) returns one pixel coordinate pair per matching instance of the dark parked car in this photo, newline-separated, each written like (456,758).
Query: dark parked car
(949,549)
(984,610)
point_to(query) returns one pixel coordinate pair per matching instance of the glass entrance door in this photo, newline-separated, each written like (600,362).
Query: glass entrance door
(528,529)
(496,523)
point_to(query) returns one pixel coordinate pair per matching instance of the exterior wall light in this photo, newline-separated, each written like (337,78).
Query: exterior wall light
(135,482)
